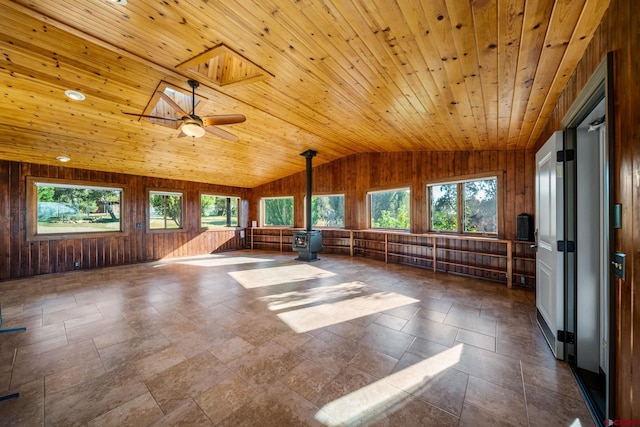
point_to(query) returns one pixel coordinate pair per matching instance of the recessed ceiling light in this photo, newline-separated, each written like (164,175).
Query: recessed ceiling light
(118,1)
(75,95)
(63,159)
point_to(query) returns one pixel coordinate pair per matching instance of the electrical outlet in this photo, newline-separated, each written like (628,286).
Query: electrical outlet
(523,280)
(76,264)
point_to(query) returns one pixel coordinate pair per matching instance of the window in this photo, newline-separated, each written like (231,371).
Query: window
(165,210)
(327,211)
(444,207)
(218,211)
(389,208)
(58,207)
(277,211)
(469,206)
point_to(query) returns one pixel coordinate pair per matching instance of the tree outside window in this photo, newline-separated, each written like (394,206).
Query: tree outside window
(76,208)
(480,206)
(327,211)
(469,206)
(444,207)
(277,211)
(390,209)
(165,210)
(218,211)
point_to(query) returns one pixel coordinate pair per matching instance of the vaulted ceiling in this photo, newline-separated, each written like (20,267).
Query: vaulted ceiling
(337,76)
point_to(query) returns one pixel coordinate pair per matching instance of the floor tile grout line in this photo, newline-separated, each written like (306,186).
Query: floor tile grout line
(464,398)
(247,296)
(13,363)
(524,391)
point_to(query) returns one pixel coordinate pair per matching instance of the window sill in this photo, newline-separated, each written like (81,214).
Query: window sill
(219,228)
(71,236)
(165,230)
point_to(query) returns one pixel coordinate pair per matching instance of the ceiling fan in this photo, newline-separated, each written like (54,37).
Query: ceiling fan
(193,125)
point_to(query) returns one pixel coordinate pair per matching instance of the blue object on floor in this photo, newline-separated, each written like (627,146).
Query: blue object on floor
(22,328)
(9,396)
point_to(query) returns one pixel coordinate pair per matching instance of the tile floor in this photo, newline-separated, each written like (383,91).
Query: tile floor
(259,339)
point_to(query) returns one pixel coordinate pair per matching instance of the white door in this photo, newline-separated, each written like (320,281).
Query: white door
(604,252)
(549,229)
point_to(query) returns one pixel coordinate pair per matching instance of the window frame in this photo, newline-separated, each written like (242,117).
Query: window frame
(497,175)
(32,209)
(263,211)
(218,227)
(326,195)
(387,190)
(183,215)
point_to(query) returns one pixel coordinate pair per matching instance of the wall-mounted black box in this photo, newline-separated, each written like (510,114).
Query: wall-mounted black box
(524,227)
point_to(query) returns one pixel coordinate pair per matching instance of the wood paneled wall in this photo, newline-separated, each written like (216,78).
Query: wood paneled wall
(357,174)
(618,33)
(22,258)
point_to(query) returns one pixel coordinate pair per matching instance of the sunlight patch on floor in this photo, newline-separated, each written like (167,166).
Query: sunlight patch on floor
(293,299)
(224,261)
(327,314)
(271,276)
(211,261)
(368,402)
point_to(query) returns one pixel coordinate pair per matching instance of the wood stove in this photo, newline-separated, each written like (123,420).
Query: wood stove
(308,242)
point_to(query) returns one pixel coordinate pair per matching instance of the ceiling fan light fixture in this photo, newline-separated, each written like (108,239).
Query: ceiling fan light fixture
(193,129)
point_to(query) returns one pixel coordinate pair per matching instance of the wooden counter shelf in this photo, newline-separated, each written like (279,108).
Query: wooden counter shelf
(441,252)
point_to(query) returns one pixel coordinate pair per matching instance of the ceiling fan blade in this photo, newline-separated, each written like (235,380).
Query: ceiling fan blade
(173,104)
(181,134)
(221,133)
(223,119)
(173,119)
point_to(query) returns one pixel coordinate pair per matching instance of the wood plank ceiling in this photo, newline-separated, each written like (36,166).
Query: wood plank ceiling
(342,77)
